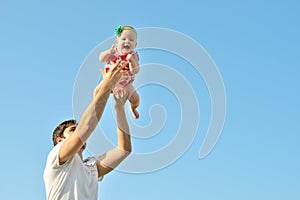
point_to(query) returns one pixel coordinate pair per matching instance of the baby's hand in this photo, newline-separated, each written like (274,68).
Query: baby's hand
(107,54)
(132,58)
(129,57)
(112,50)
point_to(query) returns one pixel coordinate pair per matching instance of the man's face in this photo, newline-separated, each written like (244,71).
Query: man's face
(68,131)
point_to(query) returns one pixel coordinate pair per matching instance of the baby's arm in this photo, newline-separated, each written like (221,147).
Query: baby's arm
(105,55)
(134,66)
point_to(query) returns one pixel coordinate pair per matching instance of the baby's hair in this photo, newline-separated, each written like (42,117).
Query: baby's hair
(120,29)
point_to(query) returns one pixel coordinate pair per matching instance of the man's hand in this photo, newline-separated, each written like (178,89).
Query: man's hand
(120,100)
(112,77)
(115,73)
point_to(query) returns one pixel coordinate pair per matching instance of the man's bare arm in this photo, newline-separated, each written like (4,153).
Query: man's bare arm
(111,159)
(90,116)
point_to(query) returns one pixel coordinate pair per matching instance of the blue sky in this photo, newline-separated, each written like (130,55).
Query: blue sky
(255,46)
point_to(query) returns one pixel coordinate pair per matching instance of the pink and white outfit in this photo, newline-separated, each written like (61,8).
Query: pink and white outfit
(126,81)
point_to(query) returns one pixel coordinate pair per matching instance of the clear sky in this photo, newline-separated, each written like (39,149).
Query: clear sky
(255,46)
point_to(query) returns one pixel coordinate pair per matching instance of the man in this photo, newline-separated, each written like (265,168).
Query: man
(66,176)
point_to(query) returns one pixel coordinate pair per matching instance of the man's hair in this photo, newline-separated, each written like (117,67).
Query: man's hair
(59,131)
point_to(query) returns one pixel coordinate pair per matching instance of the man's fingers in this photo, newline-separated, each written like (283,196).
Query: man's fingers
(116,66)
(124,64)
(120,68)
(120,97)
(117,71)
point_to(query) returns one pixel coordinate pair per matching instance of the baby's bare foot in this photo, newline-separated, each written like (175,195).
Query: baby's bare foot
(134,112)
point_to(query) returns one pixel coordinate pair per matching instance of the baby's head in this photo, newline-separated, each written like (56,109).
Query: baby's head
(126,39)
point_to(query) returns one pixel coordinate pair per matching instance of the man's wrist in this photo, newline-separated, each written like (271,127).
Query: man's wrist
(120,104)
(107,85)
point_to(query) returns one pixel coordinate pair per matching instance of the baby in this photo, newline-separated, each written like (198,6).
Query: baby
(126,42)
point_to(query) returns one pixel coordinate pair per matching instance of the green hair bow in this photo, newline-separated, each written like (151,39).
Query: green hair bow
(118,30)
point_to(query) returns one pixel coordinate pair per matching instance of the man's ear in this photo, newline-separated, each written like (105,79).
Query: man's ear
(58,139)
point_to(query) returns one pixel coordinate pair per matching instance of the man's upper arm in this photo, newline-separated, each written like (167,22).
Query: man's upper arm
(69,148)
(110,160)
(53,157)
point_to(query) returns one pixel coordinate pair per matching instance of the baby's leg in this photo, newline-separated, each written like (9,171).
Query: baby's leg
(134,100)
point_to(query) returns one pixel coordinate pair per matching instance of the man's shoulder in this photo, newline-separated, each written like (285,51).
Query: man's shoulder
(53,157)
(55,149)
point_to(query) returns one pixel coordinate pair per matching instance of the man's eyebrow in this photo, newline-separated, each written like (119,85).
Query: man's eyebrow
(72,127)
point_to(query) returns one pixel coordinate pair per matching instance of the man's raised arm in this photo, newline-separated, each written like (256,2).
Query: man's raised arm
(111,159)
(91,115)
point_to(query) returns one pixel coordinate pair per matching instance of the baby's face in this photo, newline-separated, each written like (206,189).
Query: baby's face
(126,41)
